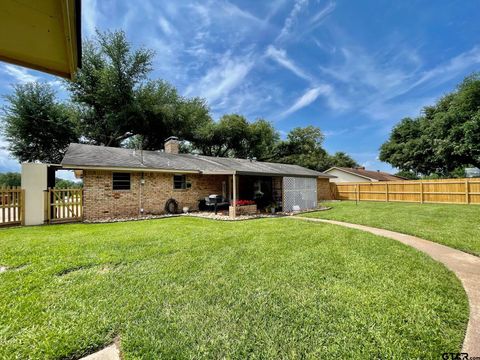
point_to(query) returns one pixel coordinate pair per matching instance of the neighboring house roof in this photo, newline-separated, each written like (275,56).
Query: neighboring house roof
(81,156)
(368,174)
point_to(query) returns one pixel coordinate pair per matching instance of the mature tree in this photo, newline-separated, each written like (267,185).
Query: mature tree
(166,113)
(10,179)
(36,126)
(227,137)
(234,136)
(263,140)
(407,175)
(342,159)
(444,139)
(114,104)
(106,88)
(303,147)
(67,184)
(410,148)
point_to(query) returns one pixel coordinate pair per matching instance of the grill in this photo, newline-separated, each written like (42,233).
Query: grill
(215,201)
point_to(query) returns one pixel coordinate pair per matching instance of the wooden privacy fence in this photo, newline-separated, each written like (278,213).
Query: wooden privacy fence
(12,206)
(447,191)
(63,205)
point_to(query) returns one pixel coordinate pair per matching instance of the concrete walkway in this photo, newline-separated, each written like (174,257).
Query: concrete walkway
(109,353)
(465,266)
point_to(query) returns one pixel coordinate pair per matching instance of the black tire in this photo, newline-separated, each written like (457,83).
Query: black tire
(171,206)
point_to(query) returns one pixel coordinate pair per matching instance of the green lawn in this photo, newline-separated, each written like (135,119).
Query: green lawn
(195,288)
(457,226)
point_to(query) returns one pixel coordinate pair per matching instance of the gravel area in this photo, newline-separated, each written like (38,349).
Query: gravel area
(221,215)
(131,218)
(225,217)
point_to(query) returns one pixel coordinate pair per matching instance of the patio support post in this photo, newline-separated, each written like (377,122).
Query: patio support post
(234,185)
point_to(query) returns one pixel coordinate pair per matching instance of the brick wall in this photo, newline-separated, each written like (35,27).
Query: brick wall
(172,146)
(101,201)
(323,189)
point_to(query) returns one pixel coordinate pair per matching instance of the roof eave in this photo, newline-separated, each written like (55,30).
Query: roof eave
(350,172)
(253,173)
(132,169)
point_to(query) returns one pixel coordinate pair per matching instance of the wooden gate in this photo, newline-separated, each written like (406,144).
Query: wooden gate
(12,206)
(63,205)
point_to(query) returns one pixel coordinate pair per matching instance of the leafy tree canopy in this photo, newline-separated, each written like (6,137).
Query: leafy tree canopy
(106,88)
(35,125)
(10,179)
(114,103)
(303,147)
(407,175)
(67,184)
(342,159)
(234,136)
(165,113)
(444,139)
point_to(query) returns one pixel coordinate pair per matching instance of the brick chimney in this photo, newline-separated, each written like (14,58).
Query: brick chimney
(171,145)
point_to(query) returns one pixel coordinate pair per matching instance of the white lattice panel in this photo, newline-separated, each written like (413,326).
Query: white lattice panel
(299,191)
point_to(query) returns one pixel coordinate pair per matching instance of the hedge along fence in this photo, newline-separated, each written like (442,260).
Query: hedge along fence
(447,191)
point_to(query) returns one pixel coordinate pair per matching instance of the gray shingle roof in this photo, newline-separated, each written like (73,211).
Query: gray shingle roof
(89,156)
(375,175)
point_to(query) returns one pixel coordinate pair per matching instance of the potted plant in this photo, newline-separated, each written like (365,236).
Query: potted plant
(271,208)
(243,207)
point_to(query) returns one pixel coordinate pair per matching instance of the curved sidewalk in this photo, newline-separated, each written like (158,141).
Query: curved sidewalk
(465,266)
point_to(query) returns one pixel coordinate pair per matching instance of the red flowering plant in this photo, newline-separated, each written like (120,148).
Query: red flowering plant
(244,202)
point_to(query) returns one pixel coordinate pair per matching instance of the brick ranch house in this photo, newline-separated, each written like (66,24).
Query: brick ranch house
(120,182)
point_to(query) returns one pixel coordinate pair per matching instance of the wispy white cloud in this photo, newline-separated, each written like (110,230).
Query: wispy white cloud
(391,112)
(322,14)
(90,15)
(291,19)
(382,86)
(364,71)
(280,56)
(308,23)
(307,98)
(222,78)
(19,74)
(230,10)
(274,8)
(330,49)
(165,25)
(450,69)
(331,133)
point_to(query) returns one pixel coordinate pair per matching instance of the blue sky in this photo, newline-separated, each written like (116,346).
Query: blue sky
(353,68)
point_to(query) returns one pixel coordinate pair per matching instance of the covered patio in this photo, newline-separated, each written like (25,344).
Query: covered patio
(264,193)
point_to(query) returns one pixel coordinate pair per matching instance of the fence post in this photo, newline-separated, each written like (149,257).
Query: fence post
(386,190)
(421,191)
(22,205)
(48,208)
(467,192)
